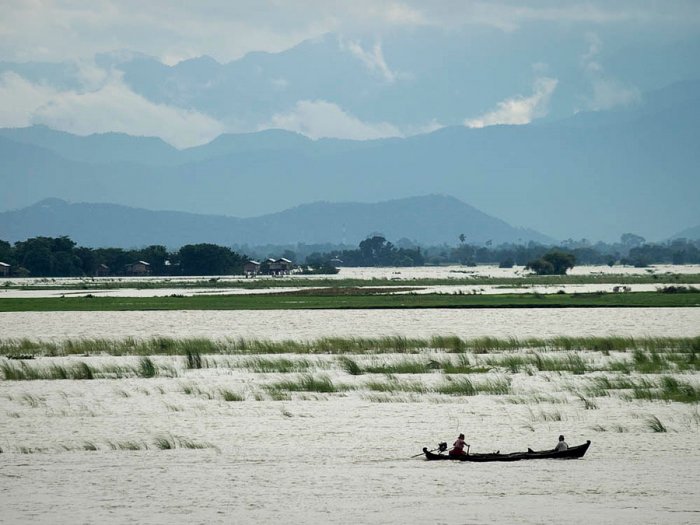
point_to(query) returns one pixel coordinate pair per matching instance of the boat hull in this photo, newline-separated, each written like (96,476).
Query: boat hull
(571,453)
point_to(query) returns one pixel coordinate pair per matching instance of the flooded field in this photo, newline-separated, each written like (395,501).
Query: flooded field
(332,438)
(314,324)
(216,444)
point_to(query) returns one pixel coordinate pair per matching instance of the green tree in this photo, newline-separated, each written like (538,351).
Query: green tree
(155,255)
(209,259)
(88,260)
(554,262)
(631,240)
(35,255)
(6,252)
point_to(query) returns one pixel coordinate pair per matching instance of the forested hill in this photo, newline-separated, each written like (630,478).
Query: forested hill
(428,220)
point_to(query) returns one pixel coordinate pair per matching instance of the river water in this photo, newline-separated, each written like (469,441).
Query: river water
(339,458)
(314,324)
(334,458)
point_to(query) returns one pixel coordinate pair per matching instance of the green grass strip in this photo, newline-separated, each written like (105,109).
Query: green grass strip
(300,302)
(256,284)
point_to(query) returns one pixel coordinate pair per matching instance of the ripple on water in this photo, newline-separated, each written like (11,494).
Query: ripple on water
(313,324)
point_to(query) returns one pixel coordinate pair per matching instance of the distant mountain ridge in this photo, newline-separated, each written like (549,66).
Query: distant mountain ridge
(688,233)
(595,175)
(427,220)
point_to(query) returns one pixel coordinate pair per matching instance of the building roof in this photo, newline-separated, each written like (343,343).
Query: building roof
(4,264)
(253,262)
(283,260)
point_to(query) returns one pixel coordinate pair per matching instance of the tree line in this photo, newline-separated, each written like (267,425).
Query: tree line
(61,256)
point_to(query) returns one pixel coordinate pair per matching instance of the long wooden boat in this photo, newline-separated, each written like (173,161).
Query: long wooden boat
(571,453)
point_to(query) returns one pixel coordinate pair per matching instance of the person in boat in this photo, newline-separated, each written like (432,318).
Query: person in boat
(458,447)
(561,446)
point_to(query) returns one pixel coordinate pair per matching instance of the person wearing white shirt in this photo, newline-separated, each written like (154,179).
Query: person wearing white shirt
(561,446)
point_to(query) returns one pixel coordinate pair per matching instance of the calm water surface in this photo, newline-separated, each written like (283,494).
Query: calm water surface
(313,324)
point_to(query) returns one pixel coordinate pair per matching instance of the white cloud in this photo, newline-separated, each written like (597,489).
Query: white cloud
(373,60)
(321,119)
(57,30)
(110,107)
(607,92)
(519,109)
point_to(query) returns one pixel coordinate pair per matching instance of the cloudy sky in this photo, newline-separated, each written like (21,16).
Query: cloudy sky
(418,65)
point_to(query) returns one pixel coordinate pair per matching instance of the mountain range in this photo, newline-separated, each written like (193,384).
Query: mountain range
(405,79)
(595,175)
(425,220)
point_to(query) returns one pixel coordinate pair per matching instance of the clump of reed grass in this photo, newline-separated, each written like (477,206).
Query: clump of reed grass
(89,446)
(404,366)
(305,383)
(81,371)
(276,395)
(350,366)
(449,343)
(392,385)
(516,363)
(147,368)
(193,359)
(655,425)
(128,445)
(463,386)
(600,386)
(29,400)
(230,395)
(588,404)
(460,365)
(667,388)
(534,399)
(673,389)
(170,442)
(554,415)
(276,366)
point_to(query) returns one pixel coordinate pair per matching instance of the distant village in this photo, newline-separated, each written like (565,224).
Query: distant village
(62,257)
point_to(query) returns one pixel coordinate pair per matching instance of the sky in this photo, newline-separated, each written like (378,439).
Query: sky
(424,65)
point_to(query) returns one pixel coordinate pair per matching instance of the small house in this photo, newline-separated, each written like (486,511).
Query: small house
(102,270)
(251,268)
(4,269)
(139,268)
(280,266)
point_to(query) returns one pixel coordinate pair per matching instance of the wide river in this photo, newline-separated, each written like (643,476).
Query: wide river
(345,457)
(314,324)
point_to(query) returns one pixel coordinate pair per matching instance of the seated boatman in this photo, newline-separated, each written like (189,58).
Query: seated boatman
(458,447)
(561,446)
